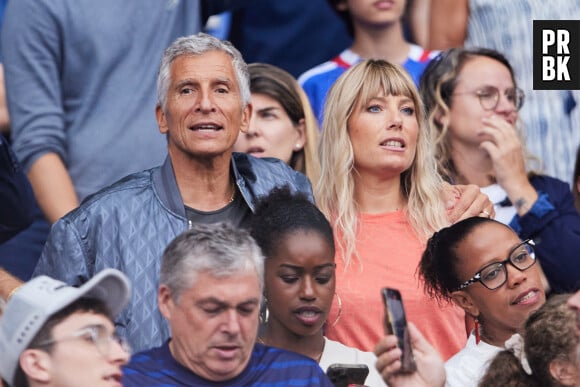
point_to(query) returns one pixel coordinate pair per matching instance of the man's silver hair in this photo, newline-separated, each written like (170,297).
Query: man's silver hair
(196,45)
(219,249)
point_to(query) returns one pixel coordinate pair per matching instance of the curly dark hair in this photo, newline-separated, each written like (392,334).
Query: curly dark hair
(282,212)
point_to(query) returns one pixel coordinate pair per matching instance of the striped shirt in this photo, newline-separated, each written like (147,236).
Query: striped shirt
(317,81)
(268,367)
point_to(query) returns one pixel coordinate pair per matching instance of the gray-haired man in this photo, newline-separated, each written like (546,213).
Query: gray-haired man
(203,103)
(210,291)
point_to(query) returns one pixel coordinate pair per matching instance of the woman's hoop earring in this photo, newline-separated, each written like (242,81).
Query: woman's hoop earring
(264,313)
(339,301)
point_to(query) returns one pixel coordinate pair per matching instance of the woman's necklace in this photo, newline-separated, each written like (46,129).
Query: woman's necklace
(319,356)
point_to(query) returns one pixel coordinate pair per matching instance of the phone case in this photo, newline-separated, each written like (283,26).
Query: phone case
(343,375)
(396,324)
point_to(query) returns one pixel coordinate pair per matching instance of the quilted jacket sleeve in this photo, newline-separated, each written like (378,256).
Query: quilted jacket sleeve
(64,256)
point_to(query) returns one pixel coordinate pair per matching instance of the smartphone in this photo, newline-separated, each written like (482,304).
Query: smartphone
(396,324)
(343,375)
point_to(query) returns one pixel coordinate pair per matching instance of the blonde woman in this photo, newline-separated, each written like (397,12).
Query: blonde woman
(380,188)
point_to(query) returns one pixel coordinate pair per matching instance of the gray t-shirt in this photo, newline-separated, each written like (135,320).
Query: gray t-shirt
(237,212)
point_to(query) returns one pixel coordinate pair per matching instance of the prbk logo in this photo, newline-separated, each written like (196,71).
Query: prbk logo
(556,54)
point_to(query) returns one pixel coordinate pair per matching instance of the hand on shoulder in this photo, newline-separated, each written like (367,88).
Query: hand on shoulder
(465,201)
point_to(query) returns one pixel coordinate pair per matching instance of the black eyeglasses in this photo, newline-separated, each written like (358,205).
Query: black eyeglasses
(96,334)
(494,275)
(489,97)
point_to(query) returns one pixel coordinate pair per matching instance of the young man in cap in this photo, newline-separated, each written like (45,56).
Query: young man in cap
(54,335)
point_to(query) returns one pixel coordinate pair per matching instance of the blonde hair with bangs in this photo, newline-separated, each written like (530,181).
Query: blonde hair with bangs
(420,184)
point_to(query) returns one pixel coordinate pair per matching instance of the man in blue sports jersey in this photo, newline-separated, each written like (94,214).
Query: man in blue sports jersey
(211,284)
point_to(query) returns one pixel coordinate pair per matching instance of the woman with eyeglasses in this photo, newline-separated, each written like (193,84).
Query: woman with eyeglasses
(545,354)
(472,103)
(482,266)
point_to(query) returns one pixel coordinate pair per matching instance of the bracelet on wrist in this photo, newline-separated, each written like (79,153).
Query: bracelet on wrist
(12,292)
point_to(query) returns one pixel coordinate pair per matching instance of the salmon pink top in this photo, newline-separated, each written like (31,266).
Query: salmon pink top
(389,252)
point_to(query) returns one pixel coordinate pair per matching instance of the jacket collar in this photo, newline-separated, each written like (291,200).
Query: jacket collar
(165,184)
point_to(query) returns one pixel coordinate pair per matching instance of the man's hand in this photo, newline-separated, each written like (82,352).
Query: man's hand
(430,367)
(465,201)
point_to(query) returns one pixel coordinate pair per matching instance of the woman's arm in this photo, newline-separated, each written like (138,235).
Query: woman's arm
(448,24)
(554,224)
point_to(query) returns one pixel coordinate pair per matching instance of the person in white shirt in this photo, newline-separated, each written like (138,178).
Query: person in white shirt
(483,267)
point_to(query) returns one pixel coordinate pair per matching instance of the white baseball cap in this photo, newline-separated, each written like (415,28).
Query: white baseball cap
(40,298)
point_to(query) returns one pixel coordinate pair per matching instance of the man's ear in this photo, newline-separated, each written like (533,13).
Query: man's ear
(564,371)
(165,301)
(161,121)
(36,365)
(465,302)
(246,116)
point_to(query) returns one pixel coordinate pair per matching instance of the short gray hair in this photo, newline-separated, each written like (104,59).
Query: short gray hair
(196,45)
(220,249)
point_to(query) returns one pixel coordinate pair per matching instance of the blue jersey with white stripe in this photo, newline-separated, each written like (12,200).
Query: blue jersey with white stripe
(317,81)
(268,367)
